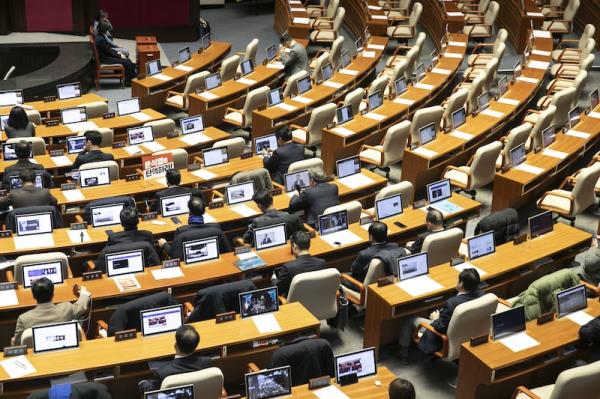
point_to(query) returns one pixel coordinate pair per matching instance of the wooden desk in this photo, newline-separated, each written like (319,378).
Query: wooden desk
(508,270)
(589,13)
(284,19)
(518,21)
(435,19)
(153,92)
(492,370)
(47,108)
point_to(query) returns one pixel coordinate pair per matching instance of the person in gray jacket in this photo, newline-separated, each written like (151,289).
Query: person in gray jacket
(589,269)
(296,59)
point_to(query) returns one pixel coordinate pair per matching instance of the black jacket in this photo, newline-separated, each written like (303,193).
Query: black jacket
(124,236)
(281,159)
(302,264)
(196,232)
(186,364)
(308,357)
(12,133)
(504,224)
(314,200)
(151,258)
(105,50)
(127,315)
(91,156)
(270,218)
(27,196)
(360,266)
(590,332)
(217,299)
(22,164)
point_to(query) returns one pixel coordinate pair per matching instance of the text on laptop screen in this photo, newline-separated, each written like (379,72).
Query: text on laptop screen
(75,144)
(518,155)
(139,135)
(438,191)
(375,100)
(200,250)
(388,207)
(257,302)
(106,215)
(459,117)
(269,383)
(400,86)
(11,97)
(304,85)
(73,115)
(333,222)
(94,177)
(508,322)
(66,91)
(540,224)
(193,124)
(124,263)
(327,71)
(274,97)
(153,67)
(427,133)
(184,55)
(347,167)
(35,223)
(182,392)
(246,67)
(344,114)
(571,300)
(271,236)
(215,156)
(265,143)
(130,106)
(50,270)
(161,320)
(300,178)
(212,81)
(362,363)
(175,205)
(481,245)
(55,337)
(413,266)
(240,193)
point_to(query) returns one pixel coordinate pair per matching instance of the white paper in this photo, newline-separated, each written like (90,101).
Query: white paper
(534,14)
(298,9)
(538,64)
(453,55)
(441,71)
(554,154)
(461,135)
(344,237)
(184,68)
(73,195)
(34,241)
(528,80)
(331,84)
(243,210)
(578,134)
(286,107)
(455,14)
(161,76)
(302,100)
(542,53)
(153,146)
(266,323)
(207,95)
(204,174)
(379,16)
(467,265)
(351,72)
(330,392)
(542,34)
(492,113)
(127,282)
(82,126)
(376,8)
(133,149)
(8,298)
(457,44)
(275,65)
(518,342)
(594,114)
(61,161)
(376,46)
(508,101)
(75,236)
(342,131)
(356,180)
(420,285)
(424,152)
(374,116)
(404,101)
(294,2)
(525,167)
(17,366)
(580,317)
(142,117)
(424,86)
(247,255)
(195,138)
(167,273)
(159,222)
(247,82)
(302,21)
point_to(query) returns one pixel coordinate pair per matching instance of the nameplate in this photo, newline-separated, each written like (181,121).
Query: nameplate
(246,155)
(108,115)
(172,135)
(68,186)
(419,204)
(545,318)
(194,166)
(119,144)
(225,317)
(57,153)
(5,233)
(170,263)
(482,339)
(366,220)
(8,286)
(79,226)
(383,281)
(216,204)
(149,216)
(520,239)
(276,191)
(348,379)
(49,99)
(15,350)
(242,250)
(132,177)
(93,275)
(319,382)
(125,335)
(52,123)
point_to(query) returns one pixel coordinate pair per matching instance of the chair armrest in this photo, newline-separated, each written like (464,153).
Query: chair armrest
(443,337)
(525,391)
(591,287)
(198,160)
(320,31)
(217,194)
(231,109)
(361,286)
(101,325)
(368,147)
(560,20)
(297,127)
(90,265)
(69,272)
(505,302)
(283,300)
(253,368)
(79,219)
(278,186)
(452,167)
(174,93)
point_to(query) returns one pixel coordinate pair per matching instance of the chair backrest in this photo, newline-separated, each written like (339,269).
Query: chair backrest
(587,62)
(412,56)
(583,192)
(290,83)
(394,143)
(470,319)
(398,72)
(321,60)
(336,51)
(256,98)
(501,36)
(404,188)
(316,291)
(229,67)
(353,208)
(515,137)
(588,33)
(571,10)
(339,19)
(27,338)
(260,177)
(499,50)
(251,49)
(589,48)
(113,168)
(208,383)
(35,117)
(235,146)
(421,36)
(490,71)
(578,84)
(194,82)
(161,127)
(180,157)
(483,168)
(424,117)
(562,100)
(475,91)
(415,14)
(319,119)
(378,84)
(456,101)
(577,382)
(544,120)
(332,8)
(354,98)
(95,109)
(442,246)
(483,6)
(38,145)
(306,164)
(40,258)
(489,18)
(94,51)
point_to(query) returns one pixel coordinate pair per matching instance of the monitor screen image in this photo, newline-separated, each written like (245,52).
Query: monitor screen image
(348,166)
(153,67)
(438,191)
(50,270)
(274,97)
(481,245)
(459,117)
(75,144)
(362,363)
(253,303)
(73,115)
(175,205)
(212,81)
(215,156)
(139,135)
(161,320)
(508,322)
(246,67)
(14,182)
(571,300)
(11,97)
(518,155)
(9,154)
(269,383)
(196,251)
(327,71)
(182,392)
(106,215)
(540,224)
(35,223)
(503,85)
(128,262)
(271,236)
(300,179)
(271,52)
(3,122)
(344,114)
(239,193)
(413,266)
(304,85)
(333,222)
(53,337)
(345,58)
(69,90)
(548,136)
(184,55)
(388,207)
(594,99)
(400,86)
(375,100)
(193,124)
(94,177)
(483,101)
(265,143)
(427,133)
(130,106)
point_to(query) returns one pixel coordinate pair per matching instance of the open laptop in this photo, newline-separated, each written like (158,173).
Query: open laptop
(182,392)
(400,86)
(238,193)
(175,204)
(345,58)
(53,337)
(73,115)
(11,97)
(271,52)
(68,90)
(427,133)
(274,97)
(540,224)
(358,43)
(388,207)
(303,85)
(184,55)
(481,245)
(246,67)
(594,99)
(106,215)
(139,135)
(3,122)
(126,262)
(502,85)
(413,266)
(344,114)
(265,143)
(129,106)
(270,236)
(347,166)
(573,117)
(153,67)
(508,322)
(94,177)
(212,81)
(548,136)
(201,250)
(192,124)
(269,383)
(333,222)
(206,41)
(15,182)
(483,101)
(438,194)
(34,223)
(571,300)
(215,156)
(420,71)
(300,178)
(459,117)
(362,363)
(161,320)
(375,100)
(35,271)
(326,71)
(257,302)
(518,155)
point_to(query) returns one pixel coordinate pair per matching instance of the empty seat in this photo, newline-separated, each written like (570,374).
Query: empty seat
(479,172)
(442,245)
(242,118)
(390,151)
(235,146)
(316,291)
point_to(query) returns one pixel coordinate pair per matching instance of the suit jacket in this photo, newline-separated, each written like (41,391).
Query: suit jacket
(221,298)
(27,196)
(270,218)
(591,266)
(302,264)
(127,315)
(590,332)
(281,159)
(186,364)
(175,190)
(106,52)
(296,60)
(12,133)
(82,390)
(309,358)
(91,156)
(48,313)
(314,200)
(196,232)
(151,258)
(360,266)
(14,170)
(130,236)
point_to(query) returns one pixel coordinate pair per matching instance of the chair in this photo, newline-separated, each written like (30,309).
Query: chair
(570,71)
(564,24)
(375,271)
(193,83)
(562,101)
(405,28)
(397,56)
(488,72)
(229,67)
(330,33)
(394,74)
(515,137)
(333,55)
(541,122)
(242,118)
(260,177)
(220,298)
(95,109)
(354,98)
(105,71)
(424,117)
(121,199)
(354,209)
(552,6)
(308,358)
(455,102)
(484,30)
(390,151)
(404,188)
(318,64)
(473,16)
(558,84)
(316,291)
(38,145)
(479,172)
(208,383)
(481,63)
(39,258)
(316,11)
(378,85)
(442,246)
(290,88)
(475,90)
(504,224)
(107,136)
(250,53)
(310,135)
(57,221)
(395,8)
(113,168)
(569,204)
(235,146)
(478,58)
(306,164)
(577,382)
(161,127)
(180,157)
(35,117)
(569,53)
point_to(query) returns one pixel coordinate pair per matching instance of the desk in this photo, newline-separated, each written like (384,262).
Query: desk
(153,92)
(47,108)
(589,13)
(492,371)
(284,19)
(433,16)
(518,21)
(508,268)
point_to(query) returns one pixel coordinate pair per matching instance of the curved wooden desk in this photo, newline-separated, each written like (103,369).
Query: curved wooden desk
(47,108)
(518,22)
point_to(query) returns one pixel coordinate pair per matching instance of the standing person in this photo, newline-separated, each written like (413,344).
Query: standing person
(109,55)
(296,59)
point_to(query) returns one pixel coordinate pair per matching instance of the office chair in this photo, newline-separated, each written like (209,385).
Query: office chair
(479,58)
(401,51)
(562,22)
(570,71)
(473,16)
(250,53)
(229,67)
(310,135)
(242,118)
(514,138)
(405,29)
(353,98)
(113,168)
(456,101)
(95,109)
(485,28)
(107,136)
(162,127)
(475,90)
(34,116)
(38,145)
(235,146)
(558,85)
(260,177)
(481,63)
(17,273)
(569,53)
(395,8)
(423,117)
(354,209)
(208,383)
(180,100)
(442,246)
(290,87)
(306,164)
(330,33)
(391,149)
(316,291)
(375,271)
(180,157)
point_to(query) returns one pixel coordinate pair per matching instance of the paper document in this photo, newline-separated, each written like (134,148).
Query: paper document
(446,207)
(161,76)
(247,255)
(518,342)
(167,273)
(34,241)
(578,134)
(207,95)
(351,72)
(538,64)
(554,154)
(424,86)
(455,14)
(302,21)
(404,101)
(331,84)
(461,135)
(424,152)
(343,131)
(298,9)
(195,138)
(132,149)
(330,392)
(61,161)
(127,282)
(82,126)
(376,46)
(542,34)
(528,80)
(78,236)
(302,100)
(492,113)
(441,71)
(73,195)
(204,174)
(374,116)
(17,366)
(142,117)
(266,323)
(153,146)
(580,317)
(286,107)
(534,14)
(467,265)
(243,210)
(534,170)
(340,238)
(379,16)
(275,65)
(420,285)
(184,68)
(376,8)
(209,219)
(8,298)
(508,101)
(356,180)
(542,53)
(247,82)
(453,55)
(160,180)
(457,44)
(594,114)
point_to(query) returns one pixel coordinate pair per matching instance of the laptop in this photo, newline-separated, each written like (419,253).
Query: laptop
(508,322)
(459,117)
(303,85)
(201,250)
(345,58)
(420,72)
(215,156)
(192,124)
(594,99)
(175,204)
(438,194)
(413,266)
(300,178)
(326,71)
(362,363)
(15,182)
(94,177)
(483,101)
(518,155)
(270,236)
(126,262)
(153,68)
(3,122)
(548,136)
(34,223)
(540,224)
(139,135)
(68,90)
(271,52)
(76,144)
(400,86)
(73,115)
(265,143)
(35,271)
(182,392)
(427,133)
(573,117)
(238,193)
(344,114)
(127,107)
(106,215)
(206,41)
(375,100)
(246,67)
(184,55)
(270,383)
(274,97)
(9,154)
(257,302)
(503,85)
(212,81)
(571,300)
(53,337)
(11,97)
(347,166)
(333,222)
(161,320)
(388,207)
(481,245)
(358,43)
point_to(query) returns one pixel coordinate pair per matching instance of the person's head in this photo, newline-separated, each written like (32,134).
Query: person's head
(173,177)
(27,176)
(129,218)
(103,27)
(23,149)
(196,206)
(93,139)
(186,340)
(468,280)
(317,175)
(286,40)
(378,232)
(434,219)
(263,199)
(42,290)
(300,242)
(401,389)
(102,15)
(283,134)
(17,119)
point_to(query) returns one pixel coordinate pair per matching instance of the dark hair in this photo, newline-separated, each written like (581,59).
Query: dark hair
(470,279)
(93,137)
(23,149)
(103,27)
(263,198)
(284,133)
(129,218)
(42,290)
(173,177)
(102,13)
(17,118)
(301,239)
(27,176)
(401,389)
(196,206)
(317,175)
(378,231)
(434,217)
(187,339)
(285,38)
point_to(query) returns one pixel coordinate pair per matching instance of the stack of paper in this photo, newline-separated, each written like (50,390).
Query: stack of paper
(467,265)
(204,174)
(424,86)
(441,71)
(376,46)
(8,298)
(461,135)
(578,134)
(351,72)
(73,195)
(331,84)
(275,65)
(542,34)
(404,101)
(61,161)
(82,126)
(374,116)
(195,138)
(424,152)
(37,241)
(492,113)
(243,210)
(302,21)
(142,117)
(167,273)
(534,170)
(528,80)
(340,238)
(518,342)
(153,146)
(207,95)
(247,82)
(594,114)
(581,317)
(127,282)
(356,180)
(161,76)
(330,392)
(420,285)
(132,149)
(17,366)
(554,154)
(457,44)
(266,323)
(184,68)
(453,55)
(302,100)
(286,107)
(538,64)
(343,131)
(508,101)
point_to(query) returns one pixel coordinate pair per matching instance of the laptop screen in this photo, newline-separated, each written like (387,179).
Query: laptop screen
(193,124)
(274,97)
(358,43)
(300,178)
(50,270)
(161,320)
(503,85)
(239,193)
(253,303)
(594,99)
(75,144)
(375,100)
(481,245)
(246,67)
(9,154)
(540,224)
(54,337)
(69,90)
(206,41)
(11,97)
(182,392)
(271,236)
(271,52)
(427,133)
(3,122)
(15,182)
(130,106)
(94,177)
(304,85)
(175,205)
(153,67)
(483,101)
(344,114)
(269,383)
(327,71)
(420,71)
(518,155)
(34,223)
(438,191)
(459,117)
(388,207)
(400,85)
(333,222)
(345,58)
(348,166)
(106,215)
(201,250)
(508,322)
(139,135)
(212,81)
(548,136)
(73,115)
(571,300)
(184,55)
(265,143)
(124,263)
(215,156)
(413,266)
(573,117)
(362,363)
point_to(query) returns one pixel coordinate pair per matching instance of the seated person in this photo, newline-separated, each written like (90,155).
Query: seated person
(92,151)
(28,194)
(185,361)
(196,229)
(589,270)
(151,258)
(277,162)
(18,124)
(468,289)
(102,16)
(46,312)
(435,223)
(313,200)
(173,177)
(129,220)
(303,263)
(296,58)
(401,389)
(109,55)
(22,151)
(270,217)
(589,334)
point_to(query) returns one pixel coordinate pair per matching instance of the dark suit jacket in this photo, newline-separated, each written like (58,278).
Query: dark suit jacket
(196,232)
(360,266)
(302,264)
(590,332)
(270,218)
(281,159)
(151,258)
(105,50)
(187,364)
(130,236)
(309,358)
(221,298)
(314,200)
(127,315)
(28,196)
(175,190)
(12,133)
(91,156)
(82,390)
(14,170)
